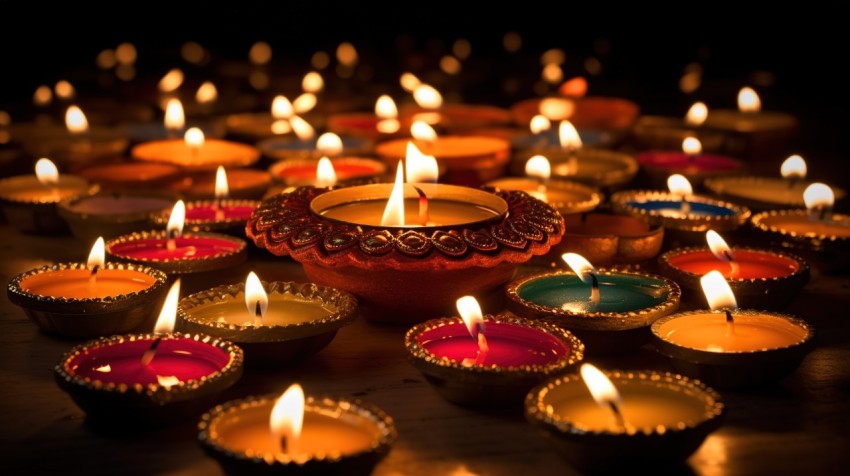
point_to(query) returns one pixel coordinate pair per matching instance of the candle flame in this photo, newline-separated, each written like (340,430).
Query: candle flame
(717,291)
(568,136)
(260,53)
(255,296)
(818,195)
(691,146)
(470,312)
(97,255)
(42,96)
(718,246)
(126,53)
(281,126)
(346,54)
(176,219)
(601,388)
(64,90)
(427,97)
(394,211)
(168,314)
(794,167)
(171,81)
(167,380)
(539,123)
(409,82)
(552,73)
(580,266)
(194,138)
(302,128)
(696,114)
(104,368)
(556,109)
(538,166)
(304,103)
(76,121)
(312,82)
(679,186)
(420,130)
(329,144)
(748,100)
(222,190)
(175,119)
(325,173)
(46,172)
(207,93)
(575,87)
(282,108)
(287,417)
(385,107)
(420,167)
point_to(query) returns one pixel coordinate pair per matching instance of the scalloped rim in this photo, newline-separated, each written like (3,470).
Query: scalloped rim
(162,217)
(381,419)
(535,410)
(209,263)
(85,189)
(714,183)
(690,222)
(802,265)
(575,346)
(759,224)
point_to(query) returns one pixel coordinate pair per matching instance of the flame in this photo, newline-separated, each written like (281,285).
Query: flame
(167,380)
(64,90)
(462,48)
(168,314)
(679,186)
(691,146)
(470,312)
(409,82)
(175,119)
(176,219)
(126,53)
(554,55)
(302,128)
(194,138)
(281,126)
(818,195)
(385,107)
(346,54)
(420,130)
(325,173)
(42,96)
(221,188)
(538,166)
(717,291)
(76,121)
(576,87)
(718,246)
(539,123)
(260,53)
(207,93)
(556,109)
(329,144)
(304,103)
(748,100)
(696,114)
(312,82)
(580,266)
(420,167)
(104,368)
(282,108)
(394,211)
(568,136)
(552,73)
(287,417)
(46,172)
(97,255)
(320,60)
(427,97)
(171,81)
(794,167)
(450,65)
(601,388)
(255,294)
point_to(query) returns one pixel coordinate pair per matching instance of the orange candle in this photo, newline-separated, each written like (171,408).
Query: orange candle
(76,284)
(197,153)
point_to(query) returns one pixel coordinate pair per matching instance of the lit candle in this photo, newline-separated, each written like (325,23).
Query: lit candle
(195,152)
(608,239)
(690,162)
(667,133)
(383,123)
(814,227)
(307,146)
(586,112)
(300,172)
(110,214)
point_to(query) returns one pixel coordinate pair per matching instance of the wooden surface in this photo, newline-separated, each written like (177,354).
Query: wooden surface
(800,424)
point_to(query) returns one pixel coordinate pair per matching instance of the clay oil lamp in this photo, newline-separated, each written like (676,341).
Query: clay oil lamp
(110,214)
(122,176)
(195,153)
(690,162)
(172,126)
(346,170)
(543,136)
(309,147)
(383,124)
(608,239)
(452,118)
(283,120)
(667,133)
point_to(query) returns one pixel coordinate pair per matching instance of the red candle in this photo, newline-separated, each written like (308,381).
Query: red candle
(188,247)
(751,264)
(303,172)
(680,162)
(208,211)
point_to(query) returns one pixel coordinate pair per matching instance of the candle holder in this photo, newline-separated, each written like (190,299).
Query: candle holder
(131,175)
(760,364)
(209,251)
(620,325)
(595,167)
(93,374)
(30,207)
(567,197)
(211,154)
(87,317)
(301,172)
(607,239)
(762,193)
(686,412)
(591,112)
(253,127)
(766,280)
(667,133)
(313,315)
(665,209)
(73,153)
(111,214)
(244,184)
(795,228)
(288,148)
(222,427)
(539,351)
(762,135)
(457,118)
(528,144)
(658,165)
(407,274)
(203,216)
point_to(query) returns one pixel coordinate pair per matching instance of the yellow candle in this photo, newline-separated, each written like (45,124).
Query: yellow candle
(283,310)
(750,332)
(75,283)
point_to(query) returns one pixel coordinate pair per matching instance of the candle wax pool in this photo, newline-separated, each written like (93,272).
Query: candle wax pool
(209,155)
(26,188)
(119,204)
(284,309)
(683,163)
(552,192)
(186,247)
(712,333)
(209,212)
(344,171)
(617,293)
(74,283)
(673,208)
(441,212)
(751,264)
(767,190)
(803,225)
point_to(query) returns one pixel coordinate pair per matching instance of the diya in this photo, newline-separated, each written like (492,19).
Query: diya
(328,144)
(667,133)
(608,239)
(110,214)
(196,153)
(382,124)
(691,162)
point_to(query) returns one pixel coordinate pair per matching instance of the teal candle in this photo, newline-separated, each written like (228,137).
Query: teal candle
(618,293)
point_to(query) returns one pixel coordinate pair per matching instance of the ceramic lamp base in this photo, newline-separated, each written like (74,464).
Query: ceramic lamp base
(35,219)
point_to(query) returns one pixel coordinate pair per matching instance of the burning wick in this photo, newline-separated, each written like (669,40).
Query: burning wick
(730,322)
(164,323)
(424,216)
(93,275)
(720,297)
(96,260)
(585,271)
(680,186)
(222,191)
(603,392)
(594,288)
(149,354)
(732,263)
(470,311)
(174,228)
(258,314)
(172,236)
(819,199)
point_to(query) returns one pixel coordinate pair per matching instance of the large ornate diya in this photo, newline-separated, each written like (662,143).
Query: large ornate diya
(471,243)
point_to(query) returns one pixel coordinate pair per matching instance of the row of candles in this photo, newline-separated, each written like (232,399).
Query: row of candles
(460,240)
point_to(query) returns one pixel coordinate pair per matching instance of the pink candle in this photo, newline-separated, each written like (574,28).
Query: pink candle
(188,247)
(680,162)
(207,211)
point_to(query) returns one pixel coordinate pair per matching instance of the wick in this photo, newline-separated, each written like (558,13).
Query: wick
(792,182)
(618,415)
(730,323)
(219,211)
(483,349)
(822,213)
(594,289)
(423,206)
(283,445)
(149,354)
(584,218)
(732,263)
(258,315)
(172,236)
(93,275)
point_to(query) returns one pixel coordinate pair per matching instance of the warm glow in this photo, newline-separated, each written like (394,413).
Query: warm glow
(176,219)
(282,108)
(818,195)
(76,121)
(287,417)
(718,246)
(568,136)
(325,173)
(175,119)
(420,130)
(192,52)
(512,42)
(320,60)
(64,90)
(409,82)
(539,123)
(394,211)
(679,186)
(346,54)
(207,93)
(171,81)
(717,291)
(329,144)
(601,388)
(167,380)
(126,53)
(576,87)
(43,96)
(194,138)
(302,128)
(427,97)
(255,296)
(260,53)
(97,255)
(552,73)
(168,314)
(462,48)
(385,107)
(221,188)
(539,167)
(580,266)
(696,114)
(470,312)
(691,146)
(553,56)
(556,109)
(794,167)
(420,168)
(450,65)
(46,172)
(312,82)
(748,100)
(304,103)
